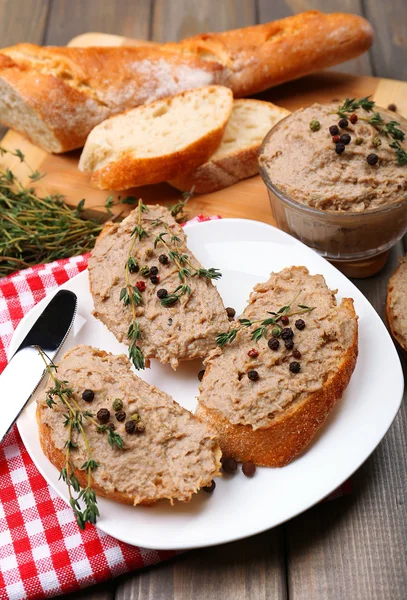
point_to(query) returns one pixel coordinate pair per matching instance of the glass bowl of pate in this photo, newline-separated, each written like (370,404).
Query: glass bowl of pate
(336,175)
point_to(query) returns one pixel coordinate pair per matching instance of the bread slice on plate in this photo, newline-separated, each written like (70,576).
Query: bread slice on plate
(158,141)
(177,310)
(236,157)
(169,455)
(269,390)
(396,305)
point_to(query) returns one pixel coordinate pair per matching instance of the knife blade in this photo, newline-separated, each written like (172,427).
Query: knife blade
(25,370)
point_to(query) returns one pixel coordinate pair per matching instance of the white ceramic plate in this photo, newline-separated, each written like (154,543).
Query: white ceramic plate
(246,252)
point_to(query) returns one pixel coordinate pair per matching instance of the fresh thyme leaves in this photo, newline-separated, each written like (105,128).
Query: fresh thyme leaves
(228,337)
(130,295)
(389,129)
(400,153)
(351,104)
(73,422)
(185,268)
(177,211)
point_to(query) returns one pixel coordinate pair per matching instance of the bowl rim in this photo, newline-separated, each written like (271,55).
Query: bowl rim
(316,212)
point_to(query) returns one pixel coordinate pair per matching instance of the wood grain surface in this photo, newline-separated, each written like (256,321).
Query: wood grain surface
(352,548)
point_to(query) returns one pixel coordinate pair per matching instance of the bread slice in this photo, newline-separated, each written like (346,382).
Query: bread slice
(182,331)
(173,458)
(156,142)
(271,420)
(396,305)
(236,157)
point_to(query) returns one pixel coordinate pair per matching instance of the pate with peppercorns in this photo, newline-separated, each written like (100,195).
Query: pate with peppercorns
(340,158)
(274,400)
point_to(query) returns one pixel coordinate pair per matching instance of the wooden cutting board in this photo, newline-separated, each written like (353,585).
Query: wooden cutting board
(245,199)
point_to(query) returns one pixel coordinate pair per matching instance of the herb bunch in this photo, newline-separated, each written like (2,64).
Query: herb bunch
(185,268)
(228,337)
(352,104)
(74,418)
(130,295)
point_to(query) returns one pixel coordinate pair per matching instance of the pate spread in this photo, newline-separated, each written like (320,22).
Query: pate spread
(174,456)
(182,331)
(397,303)
(254,383)
(301,160)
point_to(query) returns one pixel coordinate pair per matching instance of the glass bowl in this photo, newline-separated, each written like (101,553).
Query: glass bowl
(338,236)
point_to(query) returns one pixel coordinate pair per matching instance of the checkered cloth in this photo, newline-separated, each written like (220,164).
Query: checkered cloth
(43,553)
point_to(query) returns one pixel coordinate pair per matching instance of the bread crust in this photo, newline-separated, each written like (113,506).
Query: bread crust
(73,89)
(391,317)
(292,431)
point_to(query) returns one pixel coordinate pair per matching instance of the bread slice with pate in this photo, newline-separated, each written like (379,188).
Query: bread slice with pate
(167,452)
(158,141)
(236,158)
(283,377)
(396,305)
(151,292)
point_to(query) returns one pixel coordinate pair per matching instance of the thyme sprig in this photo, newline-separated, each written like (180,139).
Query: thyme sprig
(73,420)
(185,268)
(228,337)
(130,295)
(177,210)
(352,104)
(400,153)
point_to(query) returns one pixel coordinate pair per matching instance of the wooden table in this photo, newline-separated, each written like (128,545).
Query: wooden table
(354,548)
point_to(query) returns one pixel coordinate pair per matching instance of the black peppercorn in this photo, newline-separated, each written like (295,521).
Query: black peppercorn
(273,344)
(295,367)
(103,415)
(253,375)
(133,267)
(343,123)
(163,259)
(130,426)
(153,271)
(201,374)
(345,138)
(296,353)
(155,279)
(289,344)
(287,333)
(392,107)
(120,415)
(339,148)
(88,395)
(372,159)
(162,293)
(209,488)
(230,312)
(300,324)
(334,130)
(229,465)
(248,468)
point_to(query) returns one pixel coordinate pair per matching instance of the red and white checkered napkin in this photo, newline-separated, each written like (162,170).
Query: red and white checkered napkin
(42,551)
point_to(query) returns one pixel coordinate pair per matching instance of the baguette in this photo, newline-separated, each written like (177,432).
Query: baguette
(236,158)
(171,459)
(267,406)
(55,96)
(396,304)
(152,143)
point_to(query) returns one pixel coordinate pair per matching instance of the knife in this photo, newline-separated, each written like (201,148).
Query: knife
(25,370)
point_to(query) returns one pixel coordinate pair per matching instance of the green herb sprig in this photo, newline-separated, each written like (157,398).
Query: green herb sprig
(178,209)
(352,104)
(73,421)
(130,295)
(228,337)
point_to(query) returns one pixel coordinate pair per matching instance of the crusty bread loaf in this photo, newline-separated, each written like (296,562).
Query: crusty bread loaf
(236,157)
(173,458)
(182,331)
(396,305)
(153,143)
(55,96)
(267,403)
